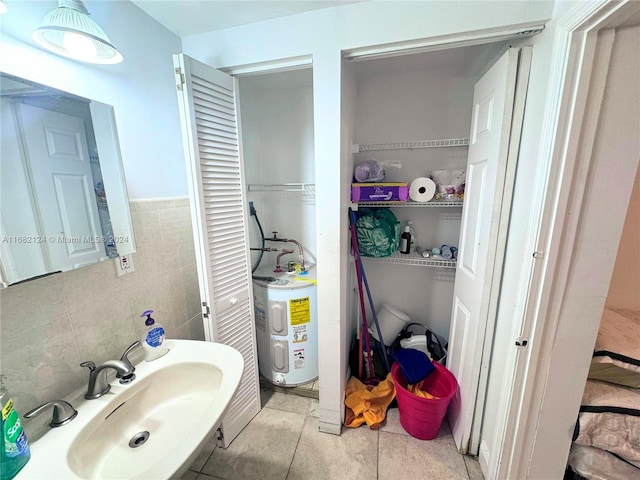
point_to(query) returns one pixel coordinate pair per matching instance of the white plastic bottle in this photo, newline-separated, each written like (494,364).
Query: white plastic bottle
(153,339)
(414,238)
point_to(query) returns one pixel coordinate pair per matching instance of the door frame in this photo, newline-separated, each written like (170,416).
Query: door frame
(569,131)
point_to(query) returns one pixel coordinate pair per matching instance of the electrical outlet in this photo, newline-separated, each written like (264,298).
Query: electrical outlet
(124,264)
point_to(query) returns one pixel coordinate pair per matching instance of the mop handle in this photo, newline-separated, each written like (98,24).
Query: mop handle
(375,316)
(352,219)
(365,332)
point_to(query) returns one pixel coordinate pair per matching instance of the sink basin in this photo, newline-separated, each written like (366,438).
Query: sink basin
(153,427)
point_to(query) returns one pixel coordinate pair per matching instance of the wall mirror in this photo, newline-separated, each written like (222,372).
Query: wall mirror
(63,197)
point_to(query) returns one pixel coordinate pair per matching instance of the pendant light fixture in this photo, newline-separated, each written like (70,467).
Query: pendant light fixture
(68,31)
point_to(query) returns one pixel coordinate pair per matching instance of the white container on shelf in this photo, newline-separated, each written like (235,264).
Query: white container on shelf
(391,321)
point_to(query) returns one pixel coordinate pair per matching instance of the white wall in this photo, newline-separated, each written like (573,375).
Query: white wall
(358,25)
(277,137)
(324,34)
(396,105)
(349,94)
(141,88)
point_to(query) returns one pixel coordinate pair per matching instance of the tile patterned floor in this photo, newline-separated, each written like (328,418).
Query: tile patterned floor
(283,443)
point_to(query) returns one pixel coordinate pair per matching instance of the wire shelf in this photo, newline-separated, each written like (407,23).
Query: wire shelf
(413,259)
(309,188)
(440,143)
(432,204)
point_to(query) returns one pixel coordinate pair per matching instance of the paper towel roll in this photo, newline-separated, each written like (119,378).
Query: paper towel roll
(422,189)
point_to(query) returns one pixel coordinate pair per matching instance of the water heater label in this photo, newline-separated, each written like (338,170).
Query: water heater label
(298,359)
(299,311)
(300,334)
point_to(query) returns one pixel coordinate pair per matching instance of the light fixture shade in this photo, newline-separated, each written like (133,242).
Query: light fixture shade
(69,31)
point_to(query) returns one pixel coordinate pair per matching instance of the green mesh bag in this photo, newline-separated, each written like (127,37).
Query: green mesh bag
(378,232)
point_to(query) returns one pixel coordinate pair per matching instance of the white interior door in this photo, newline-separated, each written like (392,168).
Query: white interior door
(60,170)
(486,170)
(207,102)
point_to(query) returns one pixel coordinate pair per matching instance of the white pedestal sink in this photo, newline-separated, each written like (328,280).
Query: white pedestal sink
(152,428)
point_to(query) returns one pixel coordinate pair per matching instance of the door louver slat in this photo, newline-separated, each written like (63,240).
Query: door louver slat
(221,107)
(212,89)
(209,94)
(213,108)
(221,127)
(212,136)
(221,118)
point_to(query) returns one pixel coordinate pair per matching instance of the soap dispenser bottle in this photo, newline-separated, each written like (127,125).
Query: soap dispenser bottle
(153,339)
(14,448)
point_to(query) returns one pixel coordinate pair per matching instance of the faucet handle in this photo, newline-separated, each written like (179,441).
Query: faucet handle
(89,364)
(63,412)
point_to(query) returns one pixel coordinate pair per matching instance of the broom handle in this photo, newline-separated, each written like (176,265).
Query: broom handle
(365,327)
(363,275)
(375,316)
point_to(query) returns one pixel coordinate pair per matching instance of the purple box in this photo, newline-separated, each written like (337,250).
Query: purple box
(380,192)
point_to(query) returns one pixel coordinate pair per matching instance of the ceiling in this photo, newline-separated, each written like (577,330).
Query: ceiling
(197,16)
(469,61)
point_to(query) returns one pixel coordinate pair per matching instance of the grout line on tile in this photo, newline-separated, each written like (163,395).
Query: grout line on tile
(85,374)
(295,449)
(466,467)
(400,434)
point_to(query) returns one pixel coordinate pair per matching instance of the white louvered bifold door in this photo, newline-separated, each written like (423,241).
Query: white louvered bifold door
(214,168)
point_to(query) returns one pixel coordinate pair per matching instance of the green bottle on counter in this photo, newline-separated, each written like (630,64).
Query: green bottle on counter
(14,447)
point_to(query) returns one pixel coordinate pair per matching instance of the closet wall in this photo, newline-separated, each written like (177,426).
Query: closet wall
(418,97)
(276,114)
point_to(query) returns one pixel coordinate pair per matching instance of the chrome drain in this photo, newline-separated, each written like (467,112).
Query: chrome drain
(139,439)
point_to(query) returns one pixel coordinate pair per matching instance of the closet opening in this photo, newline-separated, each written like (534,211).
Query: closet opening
(276,117)
(451,116)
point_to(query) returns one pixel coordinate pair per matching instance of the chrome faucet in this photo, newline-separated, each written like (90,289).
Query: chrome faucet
(128,378)
(98,384)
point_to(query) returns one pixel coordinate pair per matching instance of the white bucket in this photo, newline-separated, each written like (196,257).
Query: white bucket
(391,321)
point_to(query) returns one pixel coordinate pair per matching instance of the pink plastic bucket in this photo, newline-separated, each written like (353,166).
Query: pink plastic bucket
(422,417)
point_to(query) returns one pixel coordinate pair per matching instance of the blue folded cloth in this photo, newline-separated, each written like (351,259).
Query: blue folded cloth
(415,364)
